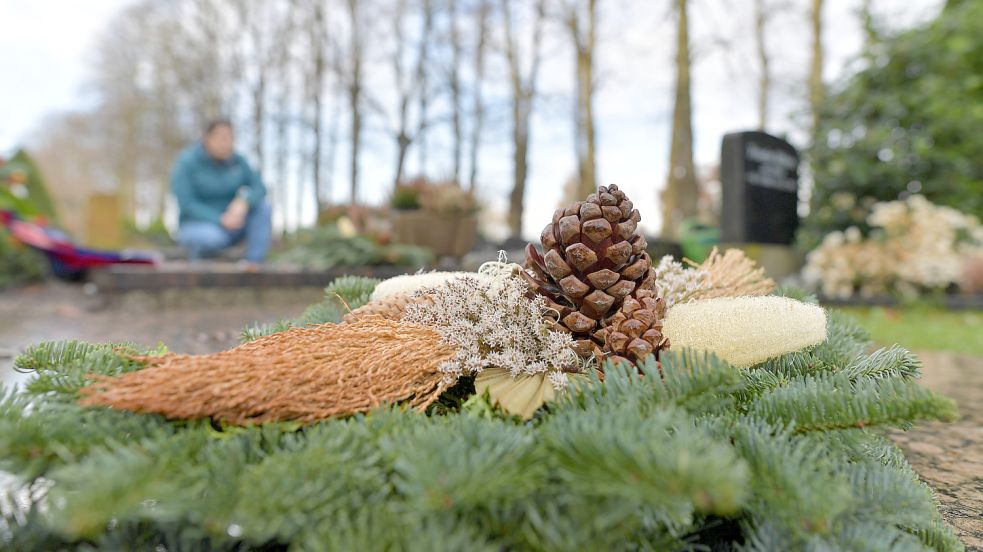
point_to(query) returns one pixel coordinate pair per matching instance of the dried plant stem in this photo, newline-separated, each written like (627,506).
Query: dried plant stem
(732,274)
(302,374)
(391,307)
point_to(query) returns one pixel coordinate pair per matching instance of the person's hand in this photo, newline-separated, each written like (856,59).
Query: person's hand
(234,216)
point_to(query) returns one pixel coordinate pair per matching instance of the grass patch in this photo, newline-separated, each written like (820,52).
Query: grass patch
(923,327)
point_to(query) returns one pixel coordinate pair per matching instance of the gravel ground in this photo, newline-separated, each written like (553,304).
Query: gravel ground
(949,457)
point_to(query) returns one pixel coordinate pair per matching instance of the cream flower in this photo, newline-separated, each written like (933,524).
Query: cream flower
(409,283)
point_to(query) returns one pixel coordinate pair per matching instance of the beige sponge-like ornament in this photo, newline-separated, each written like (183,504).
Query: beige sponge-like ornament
(745,330)
(409,283)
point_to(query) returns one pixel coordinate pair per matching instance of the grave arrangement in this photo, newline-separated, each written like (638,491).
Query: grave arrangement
(587,399)
(910,247)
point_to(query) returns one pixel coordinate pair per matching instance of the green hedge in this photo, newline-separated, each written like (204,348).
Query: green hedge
(908,123)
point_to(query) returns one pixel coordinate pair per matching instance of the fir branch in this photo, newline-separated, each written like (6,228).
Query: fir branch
(793,484)
(886,362)
(62,368)
(687,472)
(353,290)
(695,380)
(938,536)
(342,295)
(867,537)
(828,402)
(640,461)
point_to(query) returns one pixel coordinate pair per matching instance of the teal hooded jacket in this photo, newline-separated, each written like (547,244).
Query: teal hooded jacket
(205,186)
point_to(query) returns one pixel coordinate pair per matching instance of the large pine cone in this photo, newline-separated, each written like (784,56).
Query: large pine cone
(593,260)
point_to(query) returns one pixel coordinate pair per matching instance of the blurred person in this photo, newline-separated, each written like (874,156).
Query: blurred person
(220,197)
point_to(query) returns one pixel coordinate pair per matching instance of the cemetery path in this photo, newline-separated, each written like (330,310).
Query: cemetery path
(949,457)
(186,320)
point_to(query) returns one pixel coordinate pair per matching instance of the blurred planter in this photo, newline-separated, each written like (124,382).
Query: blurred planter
(697,239)
(447,234)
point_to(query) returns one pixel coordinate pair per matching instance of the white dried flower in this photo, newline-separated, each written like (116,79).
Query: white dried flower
(746,330)
(494,324)
(675,282)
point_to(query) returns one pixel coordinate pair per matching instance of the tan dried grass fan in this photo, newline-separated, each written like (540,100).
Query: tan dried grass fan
(732,274)
(302,374)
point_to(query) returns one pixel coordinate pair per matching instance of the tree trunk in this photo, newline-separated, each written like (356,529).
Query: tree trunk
(318,34)
(455,89)
(421,84)
(355,95)
(869,24)
(405,90)
(523,98)
(478,105)
(584,45)
(259,118)
(520,139)
(764,78)
(282,151)
(680,196)
(816,90)
(402,148)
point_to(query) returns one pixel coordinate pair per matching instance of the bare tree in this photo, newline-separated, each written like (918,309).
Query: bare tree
(523,92)
(679,198)
(477,100)
(353,76)
(423,97)
(317,44)
(581,23)
(454,85)
(816,89)
(283,82)
(761,13)
(410,82)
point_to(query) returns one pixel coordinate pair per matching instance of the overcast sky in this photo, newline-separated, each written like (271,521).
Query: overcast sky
(44,49)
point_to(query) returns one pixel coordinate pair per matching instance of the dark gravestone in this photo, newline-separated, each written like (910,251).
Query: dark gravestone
(759,177)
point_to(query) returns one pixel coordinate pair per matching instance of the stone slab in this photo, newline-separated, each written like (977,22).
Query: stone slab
(171,275)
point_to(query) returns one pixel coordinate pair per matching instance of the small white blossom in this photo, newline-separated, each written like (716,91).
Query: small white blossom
(493,323)
(676,283)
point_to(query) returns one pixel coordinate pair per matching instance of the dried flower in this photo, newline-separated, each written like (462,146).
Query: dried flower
(731,274)
(676,283)
(493,324)
(746,330)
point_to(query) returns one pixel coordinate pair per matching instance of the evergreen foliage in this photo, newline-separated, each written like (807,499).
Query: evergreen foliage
(345,294)
(787,455)
(18,263)
(907,123)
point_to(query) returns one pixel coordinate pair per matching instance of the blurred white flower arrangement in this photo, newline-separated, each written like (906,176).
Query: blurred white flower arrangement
(914,246)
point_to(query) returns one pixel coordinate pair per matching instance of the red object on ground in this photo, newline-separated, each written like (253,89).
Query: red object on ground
(67,259)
